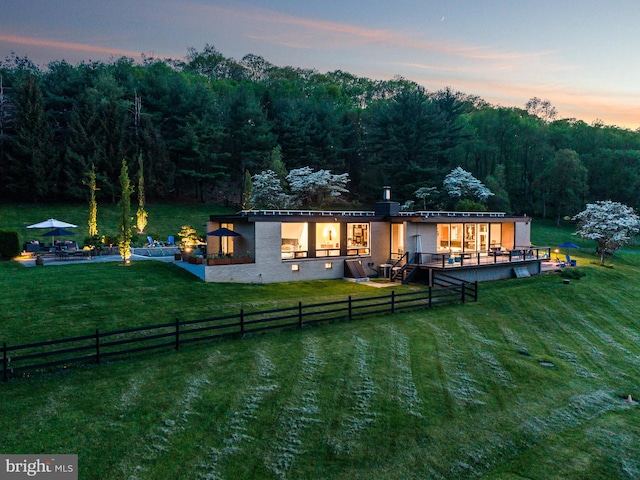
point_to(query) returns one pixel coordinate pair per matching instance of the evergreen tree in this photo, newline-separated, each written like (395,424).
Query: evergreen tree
(141,214)
(30,170)
(247,191)
(93,204)
(99,125)
(124,219)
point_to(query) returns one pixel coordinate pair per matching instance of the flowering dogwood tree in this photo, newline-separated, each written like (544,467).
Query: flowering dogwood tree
(610,224)
(424,193)
(311,188)
(267,191)
(461,184)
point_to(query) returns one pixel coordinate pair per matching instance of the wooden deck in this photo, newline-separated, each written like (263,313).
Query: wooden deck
(475,266)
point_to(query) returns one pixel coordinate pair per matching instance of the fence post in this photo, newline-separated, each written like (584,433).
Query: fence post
(349,307)
(4,362)
(393,301)
(463,292)
(97,346)
(242,322)
(177,334)
(475,291)
(430,296)
(299,314)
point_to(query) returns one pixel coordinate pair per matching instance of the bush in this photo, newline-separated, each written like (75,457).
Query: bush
(9,245)
(573,273)
(469,206)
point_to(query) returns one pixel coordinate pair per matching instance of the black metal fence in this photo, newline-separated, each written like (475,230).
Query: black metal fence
(100,346)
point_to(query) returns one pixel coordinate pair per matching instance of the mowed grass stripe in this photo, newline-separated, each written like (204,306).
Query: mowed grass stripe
(569,422)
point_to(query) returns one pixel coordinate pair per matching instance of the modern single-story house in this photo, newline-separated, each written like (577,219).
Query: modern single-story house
(288,245)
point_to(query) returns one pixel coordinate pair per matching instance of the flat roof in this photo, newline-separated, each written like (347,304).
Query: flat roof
(430,216)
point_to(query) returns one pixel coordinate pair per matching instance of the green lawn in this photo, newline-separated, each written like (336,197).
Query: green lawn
(530,382)
(164,218)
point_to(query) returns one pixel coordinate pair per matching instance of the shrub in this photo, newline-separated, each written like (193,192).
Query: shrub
(469,206)
(573,273)
(9,245)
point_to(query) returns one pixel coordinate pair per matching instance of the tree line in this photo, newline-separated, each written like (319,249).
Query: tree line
(206,124)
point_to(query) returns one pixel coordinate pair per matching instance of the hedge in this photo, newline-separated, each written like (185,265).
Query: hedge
(9,245)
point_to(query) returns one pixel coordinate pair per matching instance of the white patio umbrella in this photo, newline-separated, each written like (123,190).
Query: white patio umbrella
(52,223)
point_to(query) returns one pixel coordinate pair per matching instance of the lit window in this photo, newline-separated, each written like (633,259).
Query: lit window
(327,239)
(357,239)
(294,240)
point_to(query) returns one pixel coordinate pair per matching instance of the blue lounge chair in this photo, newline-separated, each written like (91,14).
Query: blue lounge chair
(171,240)
(150,240)
(570,263)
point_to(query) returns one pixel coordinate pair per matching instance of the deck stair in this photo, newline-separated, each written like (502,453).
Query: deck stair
(398,267)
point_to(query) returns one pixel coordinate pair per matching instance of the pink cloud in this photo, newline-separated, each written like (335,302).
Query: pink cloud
(53,44)
(310,33)
(613,108)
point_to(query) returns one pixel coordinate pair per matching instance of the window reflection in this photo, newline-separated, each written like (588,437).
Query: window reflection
(357,239)
(295,240)
(327,239)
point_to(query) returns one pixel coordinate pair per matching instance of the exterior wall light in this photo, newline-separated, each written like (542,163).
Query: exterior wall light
(295,267)
(328,266)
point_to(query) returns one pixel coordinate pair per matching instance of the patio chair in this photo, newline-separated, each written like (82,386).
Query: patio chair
(570,263)
(150,240)
(171,240)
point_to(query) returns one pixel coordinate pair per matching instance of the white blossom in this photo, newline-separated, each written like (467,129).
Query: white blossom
(460,183)
(313,188)
(268,192)
(423,193)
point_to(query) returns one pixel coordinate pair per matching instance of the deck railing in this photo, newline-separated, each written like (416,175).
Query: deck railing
(462,259)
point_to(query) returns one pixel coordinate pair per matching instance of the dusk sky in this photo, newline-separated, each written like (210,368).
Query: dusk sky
(581,55)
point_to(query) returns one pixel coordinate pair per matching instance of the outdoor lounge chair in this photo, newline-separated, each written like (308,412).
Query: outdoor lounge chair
(171,240)
(150,240)
(570,263)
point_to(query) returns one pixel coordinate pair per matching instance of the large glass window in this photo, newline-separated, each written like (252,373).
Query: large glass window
(327,239)
(397,240)
(483,237)
(457,233)
(495,235)
(357,239)
(295,240)
(443,237)
(468,237)
(226,243)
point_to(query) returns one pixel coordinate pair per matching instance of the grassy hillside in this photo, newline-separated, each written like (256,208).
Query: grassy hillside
(530,382)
